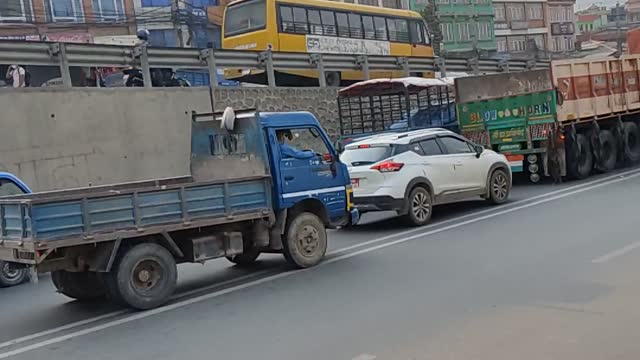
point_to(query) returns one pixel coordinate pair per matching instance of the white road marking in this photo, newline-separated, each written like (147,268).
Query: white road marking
(616,253)
(183,303)
(365,357)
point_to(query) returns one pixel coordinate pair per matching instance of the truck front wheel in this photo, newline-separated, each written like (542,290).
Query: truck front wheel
(12,274)
(305,241)
(143,277)
(83,286)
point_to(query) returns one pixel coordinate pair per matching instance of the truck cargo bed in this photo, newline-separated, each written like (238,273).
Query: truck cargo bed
(54,219)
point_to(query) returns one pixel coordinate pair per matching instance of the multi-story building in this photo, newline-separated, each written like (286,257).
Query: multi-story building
(520,26)
(593,18)
(65,20)
(562,27)
(464,24)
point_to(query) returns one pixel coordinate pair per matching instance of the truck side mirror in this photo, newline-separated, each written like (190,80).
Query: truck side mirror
(339,147)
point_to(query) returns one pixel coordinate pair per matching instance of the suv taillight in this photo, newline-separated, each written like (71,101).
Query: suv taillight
(388,166)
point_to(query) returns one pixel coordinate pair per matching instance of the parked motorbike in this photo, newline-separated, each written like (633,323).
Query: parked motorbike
(160,77)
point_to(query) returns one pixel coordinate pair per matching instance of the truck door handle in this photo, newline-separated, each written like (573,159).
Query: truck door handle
(288,178)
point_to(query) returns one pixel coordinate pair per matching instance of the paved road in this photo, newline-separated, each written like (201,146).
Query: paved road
(552,274)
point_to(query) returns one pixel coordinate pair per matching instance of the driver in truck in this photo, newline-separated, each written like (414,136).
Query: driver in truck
(289,151)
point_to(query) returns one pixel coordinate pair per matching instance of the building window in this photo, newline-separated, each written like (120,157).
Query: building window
(568,13)
(539,40)
(156,3)
(64,10)
(517,44)
(393,4)
(442,2)
(163,38)
(106,10)
(15,10)
(206,38)
(463,32)
(482,2)
(517,12)
(535,12)
(202,4)
(368,2)
(447,32)
(501,44)
(483,31)
(499,12)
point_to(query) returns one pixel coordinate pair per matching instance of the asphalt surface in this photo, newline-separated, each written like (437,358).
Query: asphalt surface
(553,274)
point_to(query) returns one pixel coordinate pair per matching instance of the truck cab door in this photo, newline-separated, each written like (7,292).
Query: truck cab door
(316,177)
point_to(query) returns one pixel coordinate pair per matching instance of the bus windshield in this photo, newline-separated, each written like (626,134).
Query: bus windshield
(245,17)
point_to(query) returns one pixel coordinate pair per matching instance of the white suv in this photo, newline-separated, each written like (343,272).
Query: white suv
(410,172)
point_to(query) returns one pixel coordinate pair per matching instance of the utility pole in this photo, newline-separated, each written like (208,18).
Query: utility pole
(175,17)
(618,32)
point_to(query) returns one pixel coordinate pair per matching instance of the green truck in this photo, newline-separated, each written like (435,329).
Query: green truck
(512,113)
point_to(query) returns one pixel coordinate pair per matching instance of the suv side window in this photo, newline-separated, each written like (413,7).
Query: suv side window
(455,146)
(8,187)
(430,147)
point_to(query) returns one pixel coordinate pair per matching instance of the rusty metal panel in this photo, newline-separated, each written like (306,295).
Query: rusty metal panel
(493,86)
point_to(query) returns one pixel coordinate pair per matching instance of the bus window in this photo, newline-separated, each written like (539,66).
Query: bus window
(355,26)
(286,19)
(425,32)
(300,20)
(328,22)
(369,29)
(381,28)
(343,24)
(245,17)
(402,30)
(416,32)
(315,25)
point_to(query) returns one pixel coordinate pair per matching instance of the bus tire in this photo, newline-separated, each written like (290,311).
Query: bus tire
(83,286)
(608,151)
(305,242)
(333,78)
(580,158)
(143,276)
(631,139)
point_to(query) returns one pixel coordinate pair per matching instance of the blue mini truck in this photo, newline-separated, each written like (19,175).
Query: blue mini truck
(243,197)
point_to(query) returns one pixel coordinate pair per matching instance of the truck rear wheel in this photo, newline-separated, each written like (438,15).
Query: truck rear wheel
(247,258)
(12,274)
(631,138)
(83,286)
(143,277)
(580,158)
(305,241)
(608,151)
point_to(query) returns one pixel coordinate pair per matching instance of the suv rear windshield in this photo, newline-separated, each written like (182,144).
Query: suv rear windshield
(366,156)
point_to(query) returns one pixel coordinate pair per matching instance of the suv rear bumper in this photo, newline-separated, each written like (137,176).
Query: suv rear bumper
(378,203)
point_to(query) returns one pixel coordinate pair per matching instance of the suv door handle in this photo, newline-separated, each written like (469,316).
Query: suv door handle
(288,178)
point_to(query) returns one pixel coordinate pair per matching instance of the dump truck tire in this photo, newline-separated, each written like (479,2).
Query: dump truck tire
(608,151)
(84,286)
(580,158)
(631,138)
(305,242)
(143,276)
(10,275)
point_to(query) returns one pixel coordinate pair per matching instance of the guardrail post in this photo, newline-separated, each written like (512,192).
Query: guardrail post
(142,53)
(316,59)
(472,64)
(503,65)
(363,62)
(266,59)
(441,66)
(59,50)
(209,56)
(404,62)
(531,64)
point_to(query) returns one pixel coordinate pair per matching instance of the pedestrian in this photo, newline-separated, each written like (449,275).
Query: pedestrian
(16,75)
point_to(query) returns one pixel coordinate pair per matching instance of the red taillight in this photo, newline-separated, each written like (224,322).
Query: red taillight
(364,146)
(388,166)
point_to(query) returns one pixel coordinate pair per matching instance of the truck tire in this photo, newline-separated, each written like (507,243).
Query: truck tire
(608,151)
(499,188)
(419,207)
(631,138)
(83,286)
(579,158)
(247,258)
(143,277)
(12,275)
(305,241)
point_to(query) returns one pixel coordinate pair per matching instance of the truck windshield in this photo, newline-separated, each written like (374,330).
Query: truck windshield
(8,188)
(245,17)
(366,156)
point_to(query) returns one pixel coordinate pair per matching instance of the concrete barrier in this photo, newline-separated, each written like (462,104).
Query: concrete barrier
(56,139)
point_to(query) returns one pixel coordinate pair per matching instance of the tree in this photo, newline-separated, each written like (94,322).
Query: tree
(429,14)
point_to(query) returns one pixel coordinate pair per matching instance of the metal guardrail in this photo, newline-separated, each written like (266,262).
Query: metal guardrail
(88,55)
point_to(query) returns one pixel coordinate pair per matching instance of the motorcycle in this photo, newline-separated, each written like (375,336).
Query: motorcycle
(160,77)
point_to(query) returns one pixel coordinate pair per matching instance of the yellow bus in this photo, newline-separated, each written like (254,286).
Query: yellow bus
(326,27)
